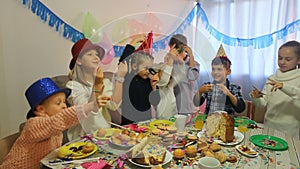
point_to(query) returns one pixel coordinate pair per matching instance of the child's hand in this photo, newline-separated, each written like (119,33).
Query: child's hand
(99,76)
(189,51)
(102,100)
(154,79)
(122,69)
(276,85)
(205,88)
(224,89)
(138,39)
(256,93)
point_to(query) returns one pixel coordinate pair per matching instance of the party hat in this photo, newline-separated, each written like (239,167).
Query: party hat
(146,46)
(221,52)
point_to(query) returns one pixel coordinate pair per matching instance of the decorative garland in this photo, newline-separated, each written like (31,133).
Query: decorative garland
(74,35)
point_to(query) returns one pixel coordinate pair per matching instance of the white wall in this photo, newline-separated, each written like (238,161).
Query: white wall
(30,49)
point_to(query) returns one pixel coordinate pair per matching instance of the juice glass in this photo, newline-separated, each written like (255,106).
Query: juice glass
(199,122)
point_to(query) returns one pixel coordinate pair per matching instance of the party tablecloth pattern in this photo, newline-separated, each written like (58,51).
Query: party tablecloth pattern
(287,159)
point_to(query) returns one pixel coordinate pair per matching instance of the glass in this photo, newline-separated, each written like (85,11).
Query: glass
(199,122)
(242,127)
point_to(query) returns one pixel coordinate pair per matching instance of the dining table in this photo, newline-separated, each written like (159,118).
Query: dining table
(286,158)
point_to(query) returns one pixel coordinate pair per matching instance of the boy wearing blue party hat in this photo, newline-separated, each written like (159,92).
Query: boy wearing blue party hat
(47,118)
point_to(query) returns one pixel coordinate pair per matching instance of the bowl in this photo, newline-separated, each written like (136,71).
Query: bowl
(208,163)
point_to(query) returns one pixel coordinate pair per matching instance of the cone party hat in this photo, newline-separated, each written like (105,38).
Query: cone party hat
(221,52)
(146,46)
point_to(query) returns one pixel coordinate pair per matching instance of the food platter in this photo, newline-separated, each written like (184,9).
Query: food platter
(239,137)
(269,142)
(74,151)
(109,133)
(249,153)
(168,158)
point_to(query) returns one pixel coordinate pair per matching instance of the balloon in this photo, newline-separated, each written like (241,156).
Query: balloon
(109,49)
(108,57)
(137,27)
(90,27)
(154,23)
(120,31)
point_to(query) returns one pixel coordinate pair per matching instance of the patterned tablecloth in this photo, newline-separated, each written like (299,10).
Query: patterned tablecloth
(287,159)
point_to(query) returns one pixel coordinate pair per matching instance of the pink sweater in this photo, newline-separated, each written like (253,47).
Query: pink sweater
(40,136)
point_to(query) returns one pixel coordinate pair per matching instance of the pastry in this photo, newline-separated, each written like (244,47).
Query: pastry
(220,156)
(201,146)
(231,159)
(191,151)
(172,129)
(101,132)
(220,125)
(178,154)
(116,140)
(88,147)
(156,131)
(192,137)
(215,146)
(125,137)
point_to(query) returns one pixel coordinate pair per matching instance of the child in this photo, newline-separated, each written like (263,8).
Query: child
(281,93)
(220,94)
(140,89)
(185,73)
(86,59)
(47,118)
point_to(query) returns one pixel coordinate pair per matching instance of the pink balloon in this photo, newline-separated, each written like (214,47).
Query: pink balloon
(108,57)
(109,50)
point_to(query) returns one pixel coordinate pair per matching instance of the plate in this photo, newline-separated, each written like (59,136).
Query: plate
(66,151)
(156,122)
(239,137)
(259,139)
(120,145)
(243,120)
(244,153)
(109,133)
(168,158)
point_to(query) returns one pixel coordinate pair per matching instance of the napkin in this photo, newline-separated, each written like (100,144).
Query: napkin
(100,164)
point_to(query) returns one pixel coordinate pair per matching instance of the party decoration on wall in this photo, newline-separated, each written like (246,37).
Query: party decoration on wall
(109,49)
(146,46)
(121,29)
(90,27)
(53,20)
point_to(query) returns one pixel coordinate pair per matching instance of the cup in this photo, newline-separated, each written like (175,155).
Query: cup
(208,163)
(180,121)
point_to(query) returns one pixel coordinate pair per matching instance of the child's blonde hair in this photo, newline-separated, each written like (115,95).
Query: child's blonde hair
(77,74)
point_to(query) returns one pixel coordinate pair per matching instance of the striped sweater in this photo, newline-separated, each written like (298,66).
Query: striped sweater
(39,137)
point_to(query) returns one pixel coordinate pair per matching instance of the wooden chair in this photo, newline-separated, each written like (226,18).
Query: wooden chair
(5,145)
(248,112)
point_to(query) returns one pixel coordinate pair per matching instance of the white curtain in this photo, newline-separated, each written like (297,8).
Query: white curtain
(248,20)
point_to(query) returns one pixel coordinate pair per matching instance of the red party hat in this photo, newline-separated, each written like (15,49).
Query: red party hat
(146,46)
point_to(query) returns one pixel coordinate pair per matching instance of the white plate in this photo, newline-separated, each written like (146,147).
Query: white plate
(168,158)
(239,137)
(242,152)
(120,145)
